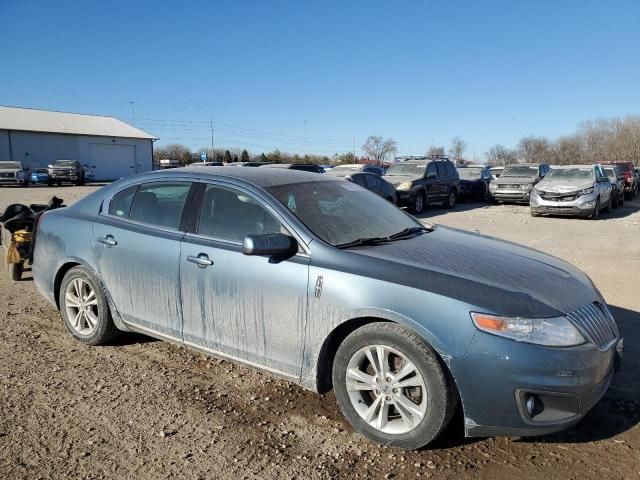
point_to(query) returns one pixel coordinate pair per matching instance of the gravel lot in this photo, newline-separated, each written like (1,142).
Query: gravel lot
(147,409)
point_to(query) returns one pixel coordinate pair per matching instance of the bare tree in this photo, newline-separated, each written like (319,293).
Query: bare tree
(379,149)
(569,150)
(434,151)
(457,149)
(176,151)
(535,150)
(501,155)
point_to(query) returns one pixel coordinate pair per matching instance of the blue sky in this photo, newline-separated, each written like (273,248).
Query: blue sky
(420,72)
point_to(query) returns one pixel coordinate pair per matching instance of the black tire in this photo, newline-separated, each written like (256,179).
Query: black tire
(596,210)
(616,201)
(80,182)
(15,271)
(621,200)
(441,394)
(59,183)
(534,214)
(105,329)
(608,207)
(419,204)
(451,199)
(49,183)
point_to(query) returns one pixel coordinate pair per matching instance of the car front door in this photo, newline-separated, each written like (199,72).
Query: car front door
(249,308)
(431,184)
(136,242)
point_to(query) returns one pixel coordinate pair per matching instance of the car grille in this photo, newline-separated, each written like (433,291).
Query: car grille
(558,197)
(508,185)
(62,172)
(596,324)
(7,175)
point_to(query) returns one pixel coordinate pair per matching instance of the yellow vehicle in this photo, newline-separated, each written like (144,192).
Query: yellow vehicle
(17,251)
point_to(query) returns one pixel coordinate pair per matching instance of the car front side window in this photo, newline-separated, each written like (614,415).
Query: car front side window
(230,215)
(158,204)
(431,169)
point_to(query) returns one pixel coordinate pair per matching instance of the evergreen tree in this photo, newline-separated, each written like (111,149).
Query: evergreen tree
(244,156)
(263,157)
(227,156)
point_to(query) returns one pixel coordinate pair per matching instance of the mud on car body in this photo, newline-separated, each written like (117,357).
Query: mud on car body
(330,286)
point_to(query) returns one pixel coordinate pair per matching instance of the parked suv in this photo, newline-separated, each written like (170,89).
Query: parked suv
(69,171)
(422,182)
(576,190)
(516,181)
(631,180)
(617,184)
(13,173)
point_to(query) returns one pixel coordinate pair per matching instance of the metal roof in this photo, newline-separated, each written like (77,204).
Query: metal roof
(31,120)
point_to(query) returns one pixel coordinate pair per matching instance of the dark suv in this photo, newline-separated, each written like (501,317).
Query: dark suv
(422,182)
(630,178)
(516,182)
(68,171)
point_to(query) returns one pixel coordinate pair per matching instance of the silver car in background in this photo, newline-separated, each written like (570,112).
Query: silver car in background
(575,190)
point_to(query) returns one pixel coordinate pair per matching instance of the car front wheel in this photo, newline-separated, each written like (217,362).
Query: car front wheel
(391,386)
(84,307)
(419,204)
(451,199)
(596,210)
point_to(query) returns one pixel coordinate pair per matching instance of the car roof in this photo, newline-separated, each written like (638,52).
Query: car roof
(564,167)
(261,177)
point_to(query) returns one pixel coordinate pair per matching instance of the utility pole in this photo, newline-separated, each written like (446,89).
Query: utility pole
(211,124)
(354,149)
(305,137)
(131,102)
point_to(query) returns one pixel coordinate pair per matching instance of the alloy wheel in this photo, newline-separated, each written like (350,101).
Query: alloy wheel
(419,205)
(386,389)
(81,304)
(452,199)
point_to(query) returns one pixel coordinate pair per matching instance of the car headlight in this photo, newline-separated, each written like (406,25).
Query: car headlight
(492,186)
(526,186)
(404,186)
(551,332)
(19,174)
(586,191)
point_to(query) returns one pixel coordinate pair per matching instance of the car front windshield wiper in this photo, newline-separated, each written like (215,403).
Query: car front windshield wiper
(401,235)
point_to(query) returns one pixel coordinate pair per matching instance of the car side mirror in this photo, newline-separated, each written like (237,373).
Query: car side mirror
(276,245)
(431,176)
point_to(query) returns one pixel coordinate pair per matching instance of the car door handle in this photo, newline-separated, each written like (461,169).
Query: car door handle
(107,241)
(202,261)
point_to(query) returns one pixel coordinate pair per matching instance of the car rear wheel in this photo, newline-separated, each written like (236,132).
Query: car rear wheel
(616,200)
(15,271)
(451,199)
(609,203)
(84,307)
(391,386)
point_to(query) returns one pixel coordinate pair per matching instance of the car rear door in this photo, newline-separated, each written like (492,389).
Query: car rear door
(431,184)
(136,242)
(249,308)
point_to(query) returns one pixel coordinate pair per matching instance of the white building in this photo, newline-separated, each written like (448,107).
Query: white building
(110,147)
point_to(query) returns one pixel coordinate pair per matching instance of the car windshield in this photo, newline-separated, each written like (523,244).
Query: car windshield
(470,173)
(341,212)
(10,165)
(65,163)
(570,173)
(520,171)
(413,169)
(610,172)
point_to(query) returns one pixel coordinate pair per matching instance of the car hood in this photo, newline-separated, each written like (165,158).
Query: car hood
(10,170)
(564,185)
(513,180)
(398,179)
(494,275)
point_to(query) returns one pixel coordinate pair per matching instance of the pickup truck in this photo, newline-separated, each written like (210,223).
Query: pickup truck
(68,171)
(13,173)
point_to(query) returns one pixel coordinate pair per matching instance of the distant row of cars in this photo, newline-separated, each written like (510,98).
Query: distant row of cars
(61,171)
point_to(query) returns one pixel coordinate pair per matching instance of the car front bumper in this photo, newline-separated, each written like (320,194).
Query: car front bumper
(11,180)
(405,198)
(497,376)
(510,195)
(581,206)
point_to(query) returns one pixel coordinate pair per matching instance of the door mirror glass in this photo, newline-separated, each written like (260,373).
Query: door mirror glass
(270,245)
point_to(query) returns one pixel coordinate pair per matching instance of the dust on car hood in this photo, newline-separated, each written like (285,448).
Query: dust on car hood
(398,179)
(565,185)
(500,276)
(513,180)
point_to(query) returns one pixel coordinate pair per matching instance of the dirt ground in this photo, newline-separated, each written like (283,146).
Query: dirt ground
(147,409)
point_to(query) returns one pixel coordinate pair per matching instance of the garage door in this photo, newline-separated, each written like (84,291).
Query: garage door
(110,162)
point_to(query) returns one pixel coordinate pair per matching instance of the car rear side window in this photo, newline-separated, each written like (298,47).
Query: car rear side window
(358,179)
(373,181)
(230,215)
(432,169)
(159,204)
(120,205)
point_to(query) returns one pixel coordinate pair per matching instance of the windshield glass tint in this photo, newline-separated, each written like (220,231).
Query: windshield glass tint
(520,171)
(64,163)
(10,165)
(412,169)
(341,212)
(470,173)
(571,173)
(610,172)
(347,168)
